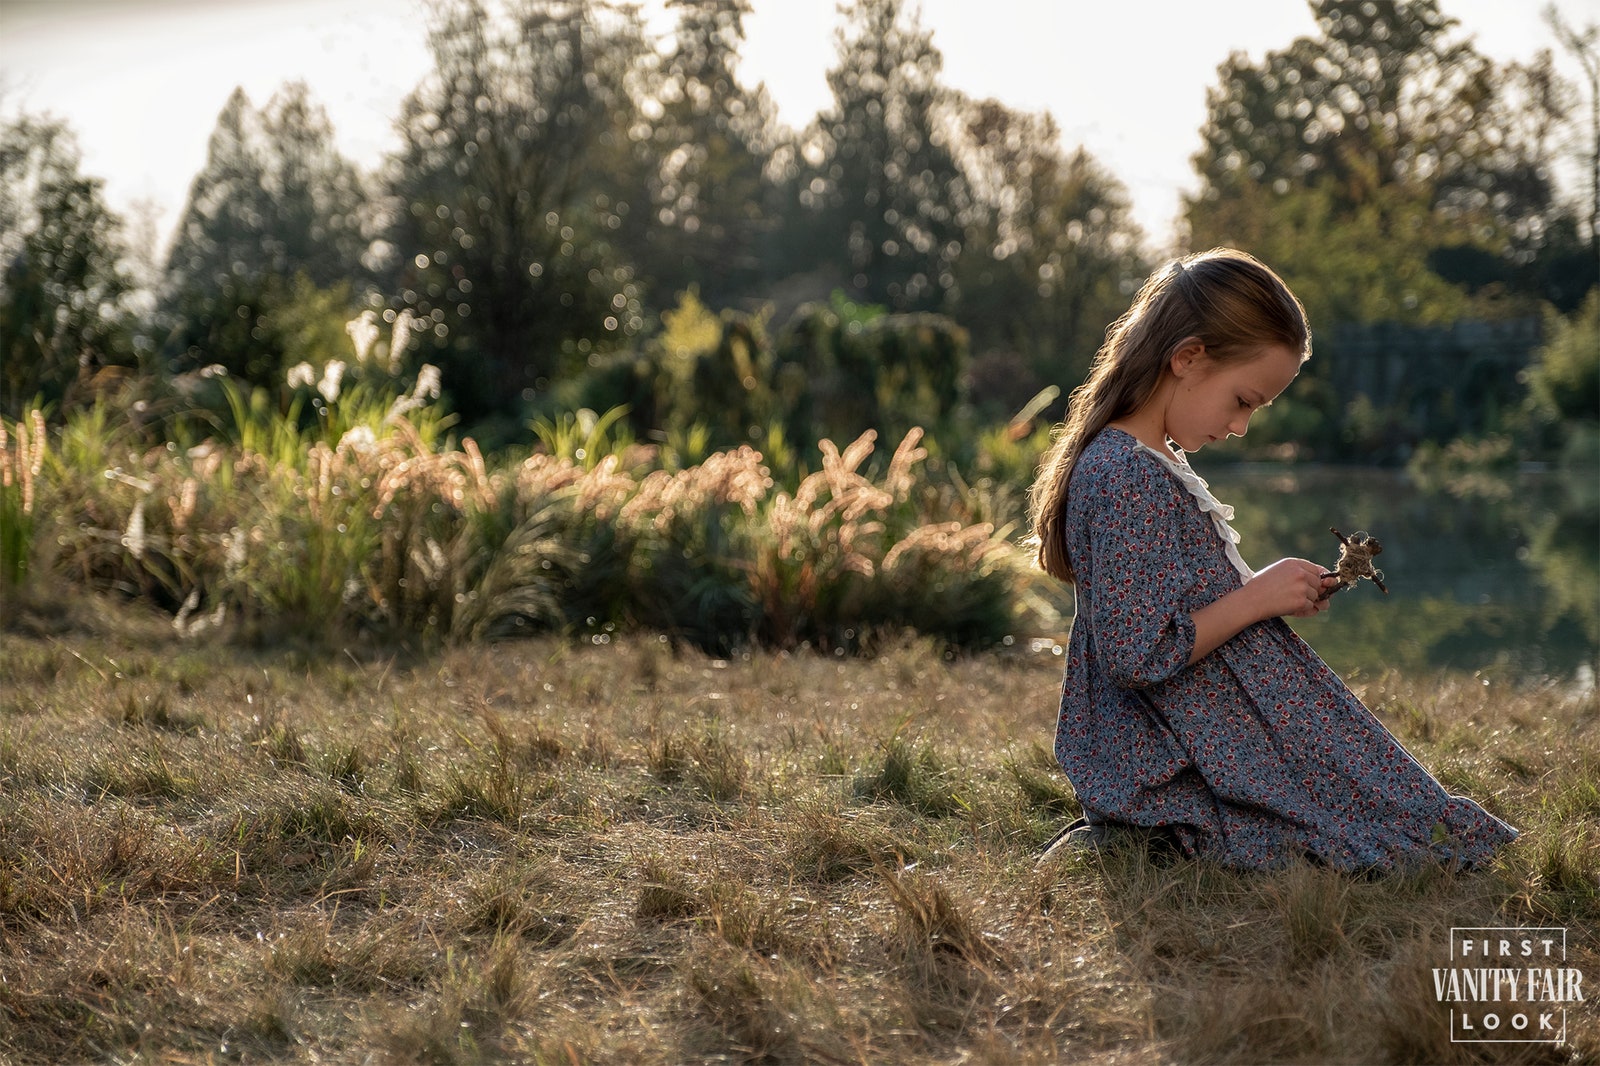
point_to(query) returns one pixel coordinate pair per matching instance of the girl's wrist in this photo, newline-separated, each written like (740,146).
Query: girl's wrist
(1222,619)
(1251,602)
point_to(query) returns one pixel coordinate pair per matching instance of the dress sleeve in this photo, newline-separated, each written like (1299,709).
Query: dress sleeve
(1142,629)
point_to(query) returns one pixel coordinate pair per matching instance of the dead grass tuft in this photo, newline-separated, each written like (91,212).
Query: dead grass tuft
(519,898)
(825,846)
(916,776)
(153,710)
(470,1015)
(1314,907)
(939,941)
(665,893)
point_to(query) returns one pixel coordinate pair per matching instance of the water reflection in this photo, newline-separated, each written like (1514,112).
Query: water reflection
(1499,577)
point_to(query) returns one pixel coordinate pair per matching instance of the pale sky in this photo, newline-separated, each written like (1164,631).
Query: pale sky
(141,81)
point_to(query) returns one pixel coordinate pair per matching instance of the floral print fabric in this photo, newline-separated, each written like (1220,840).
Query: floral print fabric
(1257,753)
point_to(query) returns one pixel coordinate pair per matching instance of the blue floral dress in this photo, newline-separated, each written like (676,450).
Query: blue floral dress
(1257,753)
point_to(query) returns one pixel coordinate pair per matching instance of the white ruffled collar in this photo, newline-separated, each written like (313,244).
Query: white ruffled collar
(1221,514)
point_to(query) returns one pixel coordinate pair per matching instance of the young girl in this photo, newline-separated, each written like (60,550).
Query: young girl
(1190,709)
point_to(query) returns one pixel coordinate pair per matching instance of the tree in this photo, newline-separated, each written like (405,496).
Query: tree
(1521,237)
(1363,263)
(317,195)
(1572,257)
(274,201)
(220,231)
(1051,253)
(504,197)
(1388,117)
(1384,95)
(1564,381)
(881,177)
(1585,47)
(710,204)
(62,283)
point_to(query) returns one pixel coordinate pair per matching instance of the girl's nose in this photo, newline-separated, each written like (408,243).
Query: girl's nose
(1239,426)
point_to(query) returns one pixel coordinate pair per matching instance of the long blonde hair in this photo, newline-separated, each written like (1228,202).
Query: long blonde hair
(1227,299)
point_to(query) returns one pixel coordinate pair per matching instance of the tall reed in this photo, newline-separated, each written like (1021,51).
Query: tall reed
(22,455)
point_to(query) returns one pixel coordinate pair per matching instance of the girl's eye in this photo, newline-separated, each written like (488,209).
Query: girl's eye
(1244,403)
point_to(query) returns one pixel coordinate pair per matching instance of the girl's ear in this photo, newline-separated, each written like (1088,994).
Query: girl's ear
(1189,354)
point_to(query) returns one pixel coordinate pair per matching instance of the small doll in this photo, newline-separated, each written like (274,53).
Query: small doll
(1355,562)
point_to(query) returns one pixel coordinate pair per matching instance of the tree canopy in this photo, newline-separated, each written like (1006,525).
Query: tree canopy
(62,279)
(274,202)
(563,182)
(1389,138)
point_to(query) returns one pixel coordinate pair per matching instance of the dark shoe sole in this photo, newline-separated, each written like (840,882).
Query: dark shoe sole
(1080,835)
(1077,836)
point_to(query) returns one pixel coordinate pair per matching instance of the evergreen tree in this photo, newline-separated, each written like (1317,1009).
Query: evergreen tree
(711,205)
(505,203)
(219,233)
(316,194)
(881,177)
(275,201)
(62,282)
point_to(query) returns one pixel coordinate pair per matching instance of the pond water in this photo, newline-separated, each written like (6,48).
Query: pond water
(1494,576)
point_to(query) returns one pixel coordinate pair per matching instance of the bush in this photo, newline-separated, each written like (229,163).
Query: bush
(834,371)
(1564,382)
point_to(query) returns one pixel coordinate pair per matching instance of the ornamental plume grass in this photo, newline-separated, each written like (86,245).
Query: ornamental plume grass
(364,519)
(22,455)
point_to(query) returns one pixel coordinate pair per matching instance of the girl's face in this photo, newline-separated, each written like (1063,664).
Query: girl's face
(1214,401)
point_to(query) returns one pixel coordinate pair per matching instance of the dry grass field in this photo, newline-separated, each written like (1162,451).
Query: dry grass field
(558,852)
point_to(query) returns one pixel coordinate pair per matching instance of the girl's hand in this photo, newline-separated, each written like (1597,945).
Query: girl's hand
(1290,587)
(1287,587)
